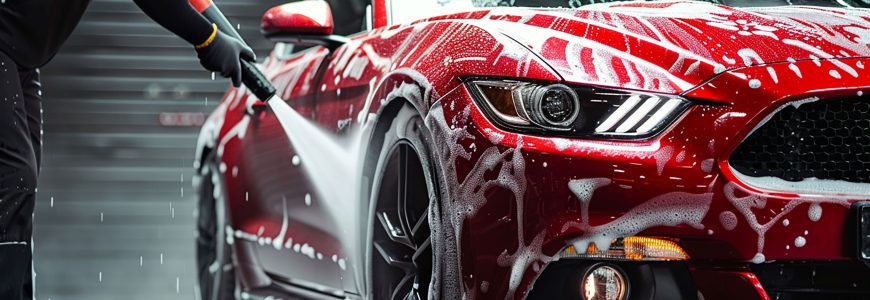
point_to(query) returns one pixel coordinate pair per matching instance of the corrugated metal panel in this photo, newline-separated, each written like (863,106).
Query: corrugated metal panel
(118,180)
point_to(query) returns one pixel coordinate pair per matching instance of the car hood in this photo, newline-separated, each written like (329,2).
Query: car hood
(674,46)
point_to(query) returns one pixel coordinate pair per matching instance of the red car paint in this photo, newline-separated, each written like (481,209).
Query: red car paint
(738,66)
(281,17)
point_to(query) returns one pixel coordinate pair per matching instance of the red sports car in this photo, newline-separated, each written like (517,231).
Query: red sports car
(625,150)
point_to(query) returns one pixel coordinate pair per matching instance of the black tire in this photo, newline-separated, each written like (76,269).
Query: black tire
(400,251)
(213,254)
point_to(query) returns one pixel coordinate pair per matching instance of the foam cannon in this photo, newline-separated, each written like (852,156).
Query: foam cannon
(253,79)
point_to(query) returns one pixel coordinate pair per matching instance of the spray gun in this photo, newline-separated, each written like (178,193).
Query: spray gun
(253,79)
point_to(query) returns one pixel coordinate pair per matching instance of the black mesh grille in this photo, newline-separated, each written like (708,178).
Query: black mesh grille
(827,139)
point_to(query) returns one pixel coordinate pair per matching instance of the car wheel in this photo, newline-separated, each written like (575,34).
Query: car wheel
(213,253)
(400,254)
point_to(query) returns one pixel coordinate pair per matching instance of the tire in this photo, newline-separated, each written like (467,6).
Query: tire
(399,251)
(213,254)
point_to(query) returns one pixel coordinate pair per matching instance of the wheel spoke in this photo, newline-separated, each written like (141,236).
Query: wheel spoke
(403,187)
(422,224)
(393,229)
(413,294)
(422,250)
(395,255)
(403,243)
(403,288)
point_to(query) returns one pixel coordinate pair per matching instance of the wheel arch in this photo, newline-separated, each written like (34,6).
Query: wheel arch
(402,88)
(397,89)
(207,139)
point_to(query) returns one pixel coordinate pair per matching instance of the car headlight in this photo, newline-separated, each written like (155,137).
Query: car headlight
(579,111)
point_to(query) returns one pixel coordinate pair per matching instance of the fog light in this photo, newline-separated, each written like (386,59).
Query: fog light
(604,282)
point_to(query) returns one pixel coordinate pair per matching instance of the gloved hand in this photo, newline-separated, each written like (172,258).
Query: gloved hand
(222,55)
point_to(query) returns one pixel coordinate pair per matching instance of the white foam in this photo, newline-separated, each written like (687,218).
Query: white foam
(797,70)
(749,56)
(728,220)
(707,165)
(800,241)
(662,157)
(758,258)
(670,209)
(465,197)
(772,72)
(745,206)
(814,212)
(494,137)
(584,189)
(754,83)
(807,186)
(846,68)
(561,144)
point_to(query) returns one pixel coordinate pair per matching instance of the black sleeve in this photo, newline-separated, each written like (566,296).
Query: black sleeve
(179,17)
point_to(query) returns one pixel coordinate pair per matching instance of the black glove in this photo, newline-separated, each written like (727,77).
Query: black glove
(223,55)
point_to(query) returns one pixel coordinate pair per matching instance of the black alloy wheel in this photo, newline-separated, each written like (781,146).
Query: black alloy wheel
(401,245)
(213,254)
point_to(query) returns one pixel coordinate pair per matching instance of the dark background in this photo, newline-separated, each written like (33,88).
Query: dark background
(107,153)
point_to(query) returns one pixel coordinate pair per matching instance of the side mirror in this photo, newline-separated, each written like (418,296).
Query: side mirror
(301,23)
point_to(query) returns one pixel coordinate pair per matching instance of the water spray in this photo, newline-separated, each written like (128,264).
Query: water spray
(326,158)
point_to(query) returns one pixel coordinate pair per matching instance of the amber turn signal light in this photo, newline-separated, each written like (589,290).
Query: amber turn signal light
(634,248)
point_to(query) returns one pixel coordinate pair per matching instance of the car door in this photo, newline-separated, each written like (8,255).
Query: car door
(279,220)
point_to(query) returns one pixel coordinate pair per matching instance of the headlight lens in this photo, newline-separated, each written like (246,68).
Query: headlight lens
(582,111)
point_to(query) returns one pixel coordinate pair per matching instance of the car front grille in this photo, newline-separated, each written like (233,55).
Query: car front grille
(797,280)
(827,139)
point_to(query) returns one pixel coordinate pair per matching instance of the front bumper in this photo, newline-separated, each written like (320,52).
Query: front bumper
(678,185)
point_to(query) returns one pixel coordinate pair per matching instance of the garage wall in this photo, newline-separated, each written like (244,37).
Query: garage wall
(114,216)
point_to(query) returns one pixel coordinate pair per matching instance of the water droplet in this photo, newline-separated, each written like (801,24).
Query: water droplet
(755,83)
(800,241)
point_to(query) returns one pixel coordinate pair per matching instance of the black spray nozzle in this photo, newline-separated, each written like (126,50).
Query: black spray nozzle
(252,77)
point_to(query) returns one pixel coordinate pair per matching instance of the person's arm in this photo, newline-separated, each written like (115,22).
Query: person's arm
(217,51)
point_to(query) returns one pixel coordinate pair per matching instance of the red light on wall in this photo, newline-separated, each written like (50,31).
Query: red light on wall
(181,119)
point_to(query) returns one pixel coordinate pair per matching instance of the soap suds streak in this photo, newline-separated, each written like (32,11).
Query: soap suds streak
(749,204)
(584,189)
(463,198)
(669,209)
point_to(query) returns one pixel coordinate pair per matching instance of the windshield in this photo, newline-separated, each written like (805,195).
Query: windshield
(404,11)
